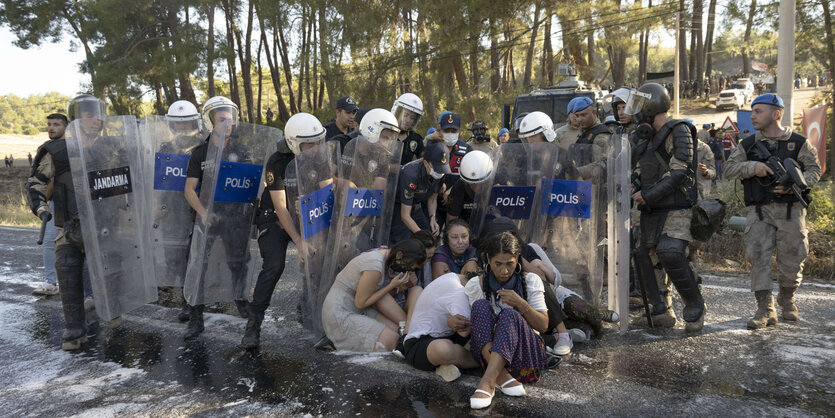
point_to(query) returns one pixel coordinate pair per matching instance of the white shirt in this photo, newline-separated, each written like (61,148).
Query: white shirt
(534,285)
(442,298)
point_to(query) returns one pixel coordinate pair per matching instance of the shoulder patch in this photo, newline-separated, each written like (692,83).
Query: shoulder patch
(413,186)
(790,146)
(413,145)
(270,178)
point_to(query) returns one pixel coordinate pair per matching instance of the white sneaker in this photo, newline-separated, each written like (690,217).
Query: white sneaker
(448,372)
(577,335)
(562,347)
(89,304)
(48,289)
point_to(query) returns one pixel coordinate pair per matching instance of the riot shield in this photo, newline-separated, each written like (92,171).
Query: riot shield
(617,248)
(106,171)
(515,187)
(219,258)
(309,183)
(170,216)
(364,201)
(571,224)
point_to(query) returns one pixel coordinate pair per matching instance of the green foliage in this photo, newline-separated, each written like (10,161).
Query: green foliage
(27,116)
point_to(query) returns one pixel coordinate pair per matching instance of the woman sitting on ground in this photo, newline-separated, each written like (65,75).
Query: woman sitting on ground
(439,329)
(456,251)
(360,313)
(508,308)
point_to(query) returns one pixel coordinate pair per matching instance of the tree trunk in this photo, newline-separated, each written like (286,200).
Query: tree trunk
(281,45)
(526,83)
(698,17)
(547,69)
(682,49)
(260,81)
(245,57)
(230,59)
(210,49)
(427,84)
(307,56)
(159,104)
(315,57)
(302,60)
(460,75)
(283,114)
(590,44)
(746,60)
(830,52)
(495,80)
(328,79)
(571,44)
(691,64)
(711,12)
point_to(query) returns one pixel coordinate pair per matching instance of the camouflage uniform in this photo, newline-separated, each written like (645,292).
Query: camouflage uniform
(705,181)
(774,230)
(566,135)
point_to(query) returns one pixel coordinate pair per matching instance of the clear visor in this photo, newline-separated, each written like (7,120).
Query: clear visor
(183,126)
(388,134)
(87,108)
(221,115)
(406,118)
(635,102)
(607,104)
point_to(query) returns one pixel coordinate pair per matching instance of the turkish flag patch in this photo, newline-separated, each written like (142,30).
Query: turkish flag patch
(412,186)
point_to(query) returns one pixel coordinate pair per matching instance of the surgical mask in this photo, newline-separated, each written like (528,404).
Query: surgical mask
(435,175)
(450,138)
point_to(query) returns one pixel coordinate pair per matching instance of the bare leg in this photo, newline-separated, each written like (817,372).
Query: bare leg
(443,351)
(411,300)
(389,308)
(495,372)
(387,341)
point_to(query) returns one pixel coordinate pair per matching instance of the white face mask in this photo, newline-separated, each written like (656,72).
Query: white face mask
(450,138)
(435,175)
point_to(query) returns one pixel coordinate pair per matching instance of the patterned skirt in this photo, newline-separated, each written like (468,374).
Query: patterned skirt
(512,338)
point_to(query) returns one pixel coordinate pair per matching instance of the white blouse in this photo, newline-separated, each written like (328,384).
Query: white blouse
(534,285)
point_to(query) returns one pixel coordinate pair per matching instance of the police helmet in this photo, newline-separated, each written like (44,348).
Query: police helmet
(537,122)
(85,103)
(476,167)
(407,109)
(375,122)
(304,128)
(216,104)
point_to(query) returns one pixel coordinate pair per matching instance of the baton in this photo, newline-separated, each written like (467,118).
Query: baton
(46,216)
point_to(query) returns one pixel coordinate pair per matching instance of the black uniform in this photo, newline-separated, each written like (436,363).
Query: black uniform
(333,130)
(272,238)
(412,148)
(460,203)
(415,187)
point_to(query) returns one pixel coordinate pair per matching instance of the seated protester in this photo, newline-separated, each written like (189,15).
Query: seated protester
(557,338)
(456,251)
(359,313)
(407,299)
(439,329)
(508,308)
(583,320)
(475,171)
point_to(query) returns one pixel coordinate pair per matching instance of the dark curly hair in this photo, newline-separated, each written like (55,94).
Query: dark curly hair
(413,253)
(493,245)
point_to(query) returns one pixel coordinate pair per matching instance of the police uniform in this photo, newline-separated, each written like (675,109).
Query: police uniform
(705,181)
(415,187)
(774,221)
(52,164)
(487,146)
(667,184)
(460,203)
(272,238)
(566,135)
(332,131)
(234,241)
(412,148)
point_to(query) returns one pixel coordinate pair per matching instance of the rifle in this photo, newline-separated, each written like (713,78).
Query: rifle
(787,174)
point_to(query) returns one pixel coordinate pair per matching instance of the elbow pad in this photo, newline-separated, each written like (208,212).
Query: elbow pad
(664,187)
(682,143)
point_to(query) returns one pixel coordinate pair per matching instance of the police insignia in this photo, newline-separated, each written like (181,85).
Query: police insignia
(412,186)
(444,159)
(270,178)
(372,165)
(790,146)
(413,145)
(408,194)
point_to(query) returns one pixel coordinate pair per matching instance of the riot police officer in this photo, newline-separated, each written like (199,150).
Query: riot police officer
(276,227)
(408,109)
(476,168)
(52,164)
(419,184)
(665,193)
(776,219)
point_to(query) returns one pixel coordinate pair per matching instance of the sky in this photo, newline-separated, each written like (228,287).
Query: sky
(50,67)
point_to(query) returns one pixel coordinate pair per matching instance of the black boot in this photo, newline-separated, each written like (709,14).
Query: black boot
(195,322)
(185,313)
(252,335)
(243,308)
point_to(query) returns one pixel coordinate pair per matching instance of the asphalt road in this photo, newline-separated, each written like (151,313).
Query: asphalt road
(802,98)
(145,368)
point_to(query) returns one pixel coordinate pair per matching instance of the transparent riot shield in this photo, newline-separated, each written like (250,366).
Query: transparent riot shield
(364,202)
(219,259)
(571,224)
(515,186)
(619,191)
(170,216)
(106,170)
(309,182)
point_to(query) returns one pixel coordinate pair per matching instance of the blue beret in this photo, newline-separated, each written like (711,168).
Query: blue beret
(706,126)
(429,131)
(689,120)
(769,99)
(579,103)
(503,131)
